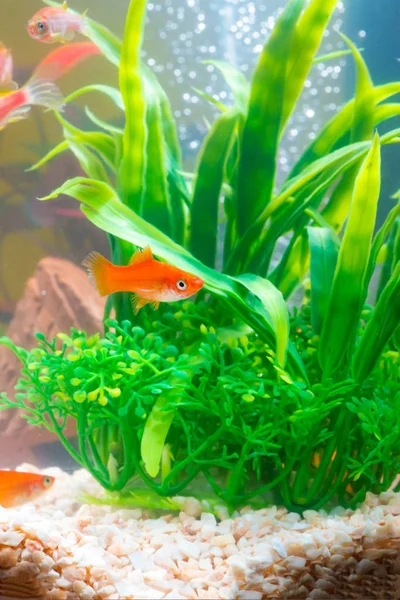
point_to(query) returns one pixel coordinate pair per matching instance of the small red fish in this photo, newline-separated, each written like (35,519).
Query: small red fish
(15,105)
(58,62)
(55,24)
(150,281)
(6,69)
(17,488)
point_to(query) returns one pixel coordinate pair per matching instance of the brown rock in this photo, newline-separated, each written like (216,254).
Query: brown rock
(57,297)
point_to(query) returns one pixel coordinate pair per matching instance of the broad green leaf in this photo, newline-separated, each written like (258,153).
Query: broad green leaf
(391,258)
(107,90)
(103,208)
(133,163)
(155,432)
(156,202)
(274,308)
(384,322)
(380,239)
(207,188)
(324,247)
(236,81)
(257,166)
(294,265)
(307,39)
(90,163)
(362,129)
(348,289)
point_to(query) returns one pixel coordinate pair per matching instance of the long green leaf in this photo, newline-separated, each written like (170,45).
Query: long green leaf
(275,310)
(207,189)
(53,153)
(156,201)
(107,90)
(348,289)
(236,81)
(385,320)
(133,163)
(338,127)
(324,248)
(256,174)
(307,39)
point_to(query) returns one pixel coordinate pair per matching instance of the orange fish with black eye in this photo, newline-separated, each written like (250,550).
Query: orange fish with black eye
(149,280)
(17,487)
(55,24)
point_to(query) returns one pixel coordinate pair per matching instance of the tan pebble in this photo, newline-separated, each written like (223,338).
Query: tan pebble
(65,561)
(74,573)
(8,558)
(119,550)
(226,593)
(33,545)
(322,584)
(87,593)
(365,566)
(79,586)
(217,576)
(222,540)
(319,594)
(106,591)
(299,593)
(335,560)
(38,556)
(188,592)
(295,562)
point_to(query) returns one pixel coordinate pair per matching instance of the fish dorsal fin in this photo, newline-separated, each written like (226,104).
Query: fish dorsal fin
(141,256)
(64,5)
(84,14)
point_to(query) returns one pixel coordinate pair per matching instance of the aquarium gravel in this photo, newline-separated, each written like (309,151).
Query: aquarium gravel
(66,550)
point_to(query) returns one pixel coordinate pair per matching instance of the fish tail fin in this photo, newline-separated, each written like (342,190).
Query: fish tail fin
(99,271)
(42,92)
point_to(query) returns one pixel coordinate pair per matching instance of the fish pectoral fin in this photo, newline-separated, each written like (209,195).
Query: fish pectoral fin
(141,256)
(138,302)
(155,305)
(64,5)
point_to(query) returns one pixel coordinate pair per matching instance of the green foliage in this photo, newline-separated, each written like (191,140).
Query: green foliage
(303,410)
(167,408)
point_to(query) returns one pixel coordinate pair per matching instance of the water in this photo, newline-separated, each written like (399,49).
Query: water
(179,37)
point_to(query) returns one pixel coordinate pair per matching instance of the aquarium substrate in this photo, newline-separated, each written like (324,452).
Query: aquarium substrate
(64,550)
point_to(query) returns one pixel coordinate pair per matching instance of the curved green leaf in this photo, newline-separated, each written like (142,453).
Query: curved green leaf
(207,189)
(133,163)
(107,90)
(348,289)
(324,248)
(257,165)
(384,322)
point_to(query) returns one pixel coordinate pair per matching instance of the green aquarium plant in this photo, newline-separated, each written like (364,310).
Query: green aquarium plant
(233,394)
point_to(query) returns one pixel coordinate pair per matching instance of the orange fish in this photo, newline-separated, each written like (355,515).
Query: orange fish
(6,69)
(17,488)
(15,105)
(55,24)
(150,281)
(63,59)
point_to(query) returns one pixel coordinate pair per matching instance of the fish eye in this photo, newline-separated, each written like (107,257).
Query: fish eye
(181,284)
(47,481)
(40,25)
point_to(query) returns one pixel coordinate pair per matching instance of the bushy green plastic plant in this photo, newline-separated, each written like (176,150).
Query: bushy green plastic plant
(306,407)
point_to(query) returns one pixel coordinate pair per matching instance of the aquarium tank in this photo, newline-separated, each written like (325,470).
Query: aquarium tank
(224,171)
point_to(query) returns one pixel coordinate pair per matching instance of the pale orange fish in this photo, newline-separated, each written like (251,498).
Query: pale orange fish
(6,69)
(61,60)
(55,24)
(17,488)
(150,281)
